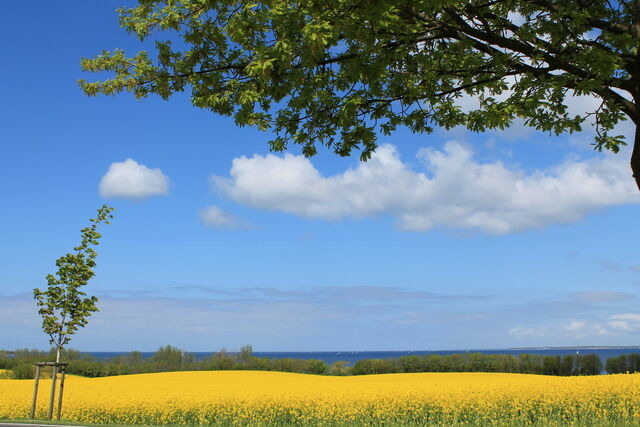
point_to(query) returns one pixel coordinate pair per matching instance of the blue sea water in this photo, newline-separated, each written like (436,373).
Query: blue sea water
(330,357)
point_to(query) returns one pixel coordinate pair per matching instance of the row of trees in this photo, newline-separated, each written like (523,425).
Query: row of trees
(589,364)
(623,364)
(169,358)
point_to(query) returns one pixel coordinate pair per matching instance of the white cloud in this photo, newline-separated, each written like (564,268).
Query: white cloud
(581,329)
(453,191)
(215,217)
(575,326)
(132,180)
(625,322)
(572,329)
(204,318)
(516,18)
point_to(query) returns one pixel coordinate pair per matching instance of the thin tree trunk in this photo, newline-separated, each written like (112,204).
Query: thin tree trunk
(62,374)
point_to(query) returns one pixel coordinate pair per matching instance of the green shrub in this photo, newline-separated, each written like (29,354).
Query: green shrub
(24,371)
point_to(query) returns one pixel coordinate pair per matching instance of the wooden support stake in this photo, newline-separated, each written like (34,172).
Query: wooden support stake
(62,372)
(54,374)
(32,415)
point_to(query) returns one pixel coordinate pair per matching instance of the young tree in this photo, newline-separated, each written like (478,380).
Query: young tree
(337,72)
(64,307)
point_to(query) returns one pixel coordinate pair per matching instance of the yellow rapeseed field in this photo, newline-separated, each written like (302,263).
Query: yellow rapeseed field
(250,397)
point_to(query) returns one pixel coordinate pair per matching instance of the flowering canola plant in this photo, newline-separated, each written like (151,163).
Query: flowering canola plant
(267,398)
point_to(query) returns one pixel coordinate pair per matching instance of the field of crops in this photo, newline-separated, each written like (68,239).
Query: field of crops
(249,397)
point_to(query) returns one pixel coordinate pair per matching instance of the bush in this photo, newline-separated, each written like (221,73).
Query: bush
(413,363)
(374,366)
(315,366)
(340,368)
(24,371)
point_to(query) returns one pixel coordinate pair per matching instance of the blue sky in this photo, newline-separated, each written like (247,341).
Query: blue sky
(452,240)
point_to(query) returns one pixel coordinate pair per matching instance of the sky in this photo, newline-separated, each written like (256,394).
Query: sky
(453,240)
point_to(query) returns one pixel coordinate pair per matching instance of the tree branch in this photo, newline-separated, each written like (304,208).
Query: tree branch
(612,27)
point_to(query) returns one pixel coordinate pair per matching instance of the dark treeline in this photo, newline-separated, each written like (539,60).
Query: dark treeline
(589,364)
(168,358)
(623,364)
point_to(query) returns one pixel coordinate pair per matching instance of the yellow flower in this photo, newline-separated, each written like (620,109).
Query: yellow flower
(251,397)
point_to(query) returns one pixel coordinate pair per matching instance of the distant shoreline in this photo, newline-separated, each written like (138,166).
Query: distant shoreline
(469,350)
(457,350)
(579,347)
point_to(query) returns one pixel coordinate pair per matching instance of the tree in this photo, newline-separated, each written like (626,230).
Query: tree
(168,358)
(64,307)
(616,365)
(337,72)
(134,358)
(590,364)
(246,353)
(340,368)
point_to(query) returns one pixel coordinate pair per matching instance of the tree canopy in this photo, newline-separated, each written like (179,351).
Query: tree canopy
(340,72)
(64,307)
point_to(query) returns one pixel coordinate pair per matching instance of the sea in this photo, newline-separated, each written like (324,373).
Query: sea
(329,357)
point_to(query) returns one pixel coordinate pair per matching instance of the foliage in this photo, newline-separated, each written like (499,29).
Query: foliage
(626,363)
(375,366)
(567,365)
(64,307)
(8,359)
(252,398)
(24,371)
(20,363)
(340,368)
(337,72)
(246,352)
(220,361)
(169,358)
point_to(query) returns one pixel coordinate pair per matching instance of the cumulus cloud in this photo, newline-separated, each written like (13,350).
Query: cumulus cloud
(132,180)
(580,329)
(215,217)
(575,326)
(625,322)
(615,325)
(453,190)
